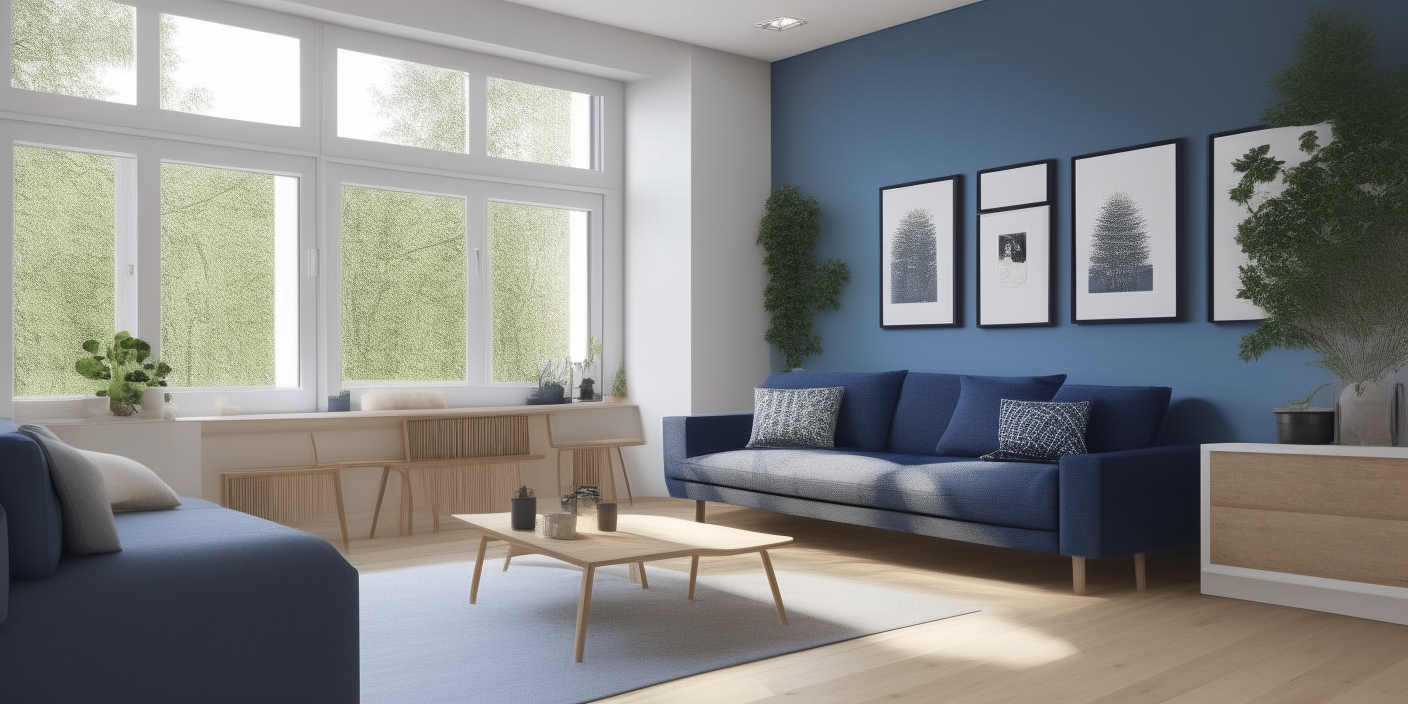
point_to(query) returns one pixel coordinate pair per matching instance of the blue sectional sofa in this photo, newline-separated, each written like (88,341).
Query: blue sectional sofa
(202,604)
(906,460)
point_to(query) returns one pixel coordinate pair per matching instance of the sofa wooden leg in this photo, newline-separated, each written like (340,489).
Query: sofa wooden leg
(1141,580)
(699,511)
(1078,574)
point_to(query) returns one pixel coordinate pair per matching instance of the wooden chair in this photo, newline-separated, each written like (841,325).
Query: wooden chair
(458,456)
(589,458)
(288,494)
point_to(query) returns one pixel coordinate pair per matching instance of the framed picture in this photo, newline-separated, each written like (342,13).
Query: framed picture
(1124,221)
(1225,256)
(1016,269)
(1032,183)
(1015,245)
(919,253)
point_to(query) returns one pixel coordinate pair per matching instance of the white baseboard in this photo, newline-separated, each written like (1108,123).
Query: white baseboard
(1371,601)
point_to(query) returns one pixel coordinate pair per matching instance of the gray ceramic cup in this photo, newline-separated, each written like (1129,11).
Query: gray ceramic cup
(606,517)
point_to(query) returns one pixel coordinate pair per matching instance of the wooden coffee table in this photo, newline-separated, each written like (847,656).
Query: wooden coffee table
(638,540)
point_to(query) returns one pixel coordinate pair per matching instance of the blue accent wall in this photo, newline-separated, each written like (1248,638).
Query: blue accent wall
(1007,81)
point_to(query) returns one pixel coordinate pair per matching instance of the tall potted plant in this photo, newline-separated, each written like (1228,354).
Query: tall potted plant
(1329,254)
(798,286)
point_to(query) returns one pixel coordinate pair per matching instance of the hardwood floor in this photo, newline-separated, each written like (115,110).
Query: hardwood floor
(1033,642)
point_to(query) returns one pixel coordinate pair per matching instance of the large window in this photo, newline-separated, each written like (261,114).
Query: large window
(83,48)
(403,286)
(65,242)
(285,208)
(229,276)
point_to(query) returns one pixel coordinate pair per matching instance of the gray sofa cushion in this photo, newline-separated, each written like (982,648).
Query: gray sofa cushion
(1015,494)
(87,515)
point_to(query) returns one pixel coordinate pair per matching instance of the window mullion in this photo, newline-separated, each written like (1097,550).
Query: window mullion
(148,60)
(146,249)
(125,278)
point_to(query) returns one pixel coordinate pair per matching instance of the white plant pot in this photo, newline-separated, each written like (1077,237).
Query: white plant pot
(1364,415)
(153,404)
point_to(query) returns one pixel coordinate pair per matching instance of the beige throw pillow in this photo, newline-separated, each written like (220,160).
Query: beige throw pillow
(401,400)
(131,485)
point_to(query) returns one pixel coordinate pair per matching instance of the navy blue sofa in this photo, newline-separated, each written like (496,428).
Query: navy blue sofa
(906,460)
(202,604)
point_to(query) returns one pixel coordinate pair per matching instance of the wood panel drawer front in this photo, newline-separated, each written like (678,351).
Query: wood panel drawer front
(1366,487)
(1370,550)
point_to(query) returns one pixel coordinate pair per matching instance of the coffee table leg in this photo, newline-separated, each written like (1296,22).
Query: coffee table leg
(693,574)
(772,582)
(478,568)
(584,610)
(644,581)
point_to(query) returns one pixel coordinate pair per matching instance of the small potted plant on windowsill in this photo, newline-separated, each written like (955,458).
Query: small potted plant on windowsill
(524,508)
(618,385)
(124,365)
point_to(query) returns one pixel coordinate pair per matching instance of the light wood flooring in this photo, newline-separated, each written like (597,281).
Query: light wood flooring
(1033,641)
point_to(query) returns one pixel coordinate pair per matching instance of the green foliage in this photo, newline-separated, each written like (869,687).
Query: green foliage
(1329,255)
(593,356)
(403,286)
(174,96)
(1303,402)
(524,492)
(217,275)
(528,122)
(64,258)
(424,107)
(124,365)
(618,380)
(798,286)
(528,267)
(66,46)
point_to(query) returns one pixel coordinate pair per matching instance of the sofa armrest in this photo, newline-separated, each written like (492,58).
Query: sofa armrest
(691,436)
(4,566)
(1115,504)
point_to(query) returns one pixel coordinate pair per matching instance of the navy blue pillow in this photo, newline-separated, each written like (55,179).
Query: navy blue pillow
(925,408)
(973,430)
(866,408)
(1121,417)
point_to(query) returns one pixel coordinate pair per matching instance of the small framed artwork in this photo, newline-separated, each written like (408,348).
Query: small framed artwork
(1032,183)
(1015,246)
(1124,222)
(1015,267)
(1225,256)
(919,253)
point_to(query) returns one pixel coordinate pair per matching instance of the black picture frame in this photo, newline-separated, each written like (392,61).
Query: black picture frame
(1033,304)
(911,306)
(1148,177)
(986,186)
(1224,255)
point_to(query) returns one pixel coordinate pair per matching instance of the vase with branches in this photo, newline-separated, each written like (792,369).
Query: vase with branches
(1328,255)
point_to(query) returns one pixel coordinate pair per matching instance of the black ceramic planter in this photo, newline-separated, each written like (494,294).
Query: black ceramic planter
(1310,426)
(525,513)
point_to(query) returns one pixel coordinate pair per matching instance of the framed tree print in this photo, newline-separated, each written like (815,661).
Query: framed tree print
(919,246)
(1015,246)
(1124,217)
(1225,256)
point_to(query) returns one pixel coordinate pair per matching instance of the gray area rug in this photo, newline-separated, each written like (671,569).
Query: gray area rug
(423,642)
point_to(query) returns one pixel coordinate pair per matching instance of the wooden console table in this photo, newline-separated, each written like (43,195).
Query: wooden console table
(1322,527)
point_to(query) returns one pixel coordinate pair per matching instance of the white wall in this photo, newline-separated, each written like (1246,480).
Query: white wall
(731,178)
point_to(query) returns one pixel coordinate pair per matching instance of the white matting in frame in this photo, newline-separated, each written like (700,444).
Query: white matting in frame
(918,252)
(1225,256)
(1012,186)
(1125,234)
(1014,267)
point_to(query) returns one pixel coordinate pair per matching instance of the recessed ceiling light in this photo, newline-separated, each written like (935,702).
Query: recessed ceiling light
(780,24)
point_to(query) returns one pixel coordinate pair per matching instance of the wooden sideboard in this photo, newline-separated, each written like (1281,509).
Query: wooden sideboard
(1322,527)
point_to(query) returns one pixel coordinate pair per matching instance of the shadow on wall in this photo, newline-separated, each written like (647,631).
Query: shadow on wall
(1193,421)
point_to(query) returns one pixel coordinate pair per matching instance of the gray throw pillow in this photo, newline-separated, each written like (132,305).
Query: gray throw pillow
(131,485)
(83,498)
(1035,431)
(795,417)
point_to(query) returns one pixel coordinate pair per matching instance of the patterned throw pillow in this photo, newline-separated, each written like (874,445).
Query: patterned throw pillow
(1032,431)
(795,417)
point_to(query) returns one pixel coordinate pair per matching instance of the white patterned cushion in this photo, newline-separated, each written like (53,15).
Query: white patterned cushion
(1034,431)
(795,417)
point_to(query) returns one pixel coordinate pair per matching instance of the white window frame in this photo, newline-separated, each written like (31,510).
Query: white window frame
(139,300)
(478,389)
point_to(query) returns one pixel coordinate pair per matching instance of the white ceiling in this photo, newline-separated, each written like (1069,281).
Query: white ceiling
(727,25)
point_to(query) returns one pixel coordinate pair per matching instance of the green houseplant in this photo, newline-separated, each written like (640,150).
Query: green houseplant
(1328,256)
(124,365)
(586,387)
(618,385)
(798,286)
